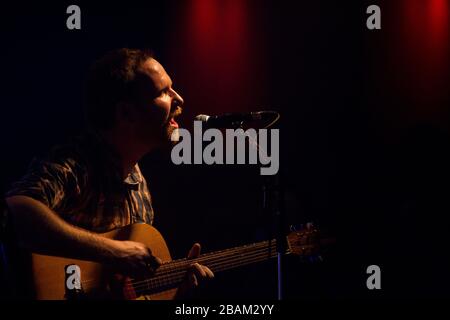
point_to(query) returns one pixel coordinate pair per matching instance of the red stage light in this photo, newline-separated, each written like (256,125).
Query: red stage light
(220,48)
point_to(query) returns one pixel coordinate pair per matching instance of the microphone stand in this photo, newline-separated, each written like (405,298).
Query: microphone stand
(273,209)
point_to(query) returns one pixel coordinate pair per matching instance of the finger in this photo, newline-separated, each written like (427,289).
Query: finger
(193,282)
(195,251)
(157,261)
(209,273)
(198,270)
(153,260)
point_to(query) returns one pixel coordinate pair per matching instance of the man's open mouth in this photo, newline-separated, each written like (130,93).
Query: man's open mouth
(173,123)
(175,114)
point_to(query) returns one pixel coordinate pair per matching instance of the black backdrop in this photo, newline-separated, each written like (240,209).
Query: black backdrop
(357,157)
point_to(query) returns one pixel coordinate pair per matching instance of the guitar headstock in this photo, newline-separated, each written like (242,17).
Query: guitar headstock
(306,241)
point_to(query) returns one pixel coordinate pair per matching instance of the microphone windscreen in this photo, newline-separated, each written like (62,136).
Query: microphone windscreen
(202,117)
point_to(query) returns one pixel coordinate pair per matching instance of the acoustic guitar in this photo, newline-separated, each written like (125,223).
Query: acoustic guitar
(52,277)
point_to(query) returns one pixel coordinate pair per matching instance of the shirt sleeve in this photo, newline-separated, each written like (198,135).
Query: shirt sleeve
(53,182)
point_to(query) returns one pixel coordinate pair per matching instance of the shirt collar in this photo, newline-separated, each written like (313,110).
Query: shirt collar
(134,178)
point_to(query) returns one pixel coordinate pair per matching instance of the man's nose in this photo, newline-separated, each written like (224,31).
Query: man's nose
(177,99)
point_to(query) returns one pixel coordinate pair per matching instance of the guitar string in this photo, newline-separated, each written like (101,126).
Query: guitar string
(129,289)
(179,275)
(143,289)
(171,273)
(223,259)
(179,278)
(214,258)
(216,266)
(159,280)
(170,267)
(220,255)
(243,249)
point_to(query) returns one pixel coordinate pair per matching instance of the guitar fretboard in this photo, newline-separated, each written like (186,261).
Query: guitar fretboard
(170,274)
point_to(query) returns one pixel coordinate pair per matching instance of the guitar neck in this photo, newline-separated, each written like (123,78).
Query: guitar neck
(169,275)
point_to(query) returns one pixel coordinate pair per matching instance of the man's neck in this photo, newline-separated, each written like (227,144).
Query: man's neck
(129,151)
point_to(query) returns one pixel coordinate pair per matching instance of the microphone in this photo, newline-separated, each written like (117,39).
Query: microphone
(235,120)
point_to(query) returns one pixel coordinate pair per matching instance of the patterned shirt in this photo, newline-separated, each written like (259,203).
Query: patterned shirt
(82,182)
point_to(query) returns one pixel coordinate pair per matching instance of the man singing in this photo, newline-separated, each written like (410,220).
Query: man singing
(93,184)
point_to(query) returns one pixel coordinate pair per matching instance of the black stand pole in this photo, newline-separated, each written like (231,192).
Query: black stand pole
(273,210)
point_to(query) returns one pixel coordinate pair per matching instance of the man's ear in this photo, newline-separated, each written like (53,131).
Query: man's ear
(126,111)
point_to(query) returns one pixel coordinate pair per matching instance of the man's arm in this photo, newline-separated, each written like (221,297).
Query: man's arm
(36,227)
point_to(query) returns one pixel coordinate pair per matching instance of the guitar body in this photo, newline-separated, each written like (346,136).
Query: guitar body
(48,279)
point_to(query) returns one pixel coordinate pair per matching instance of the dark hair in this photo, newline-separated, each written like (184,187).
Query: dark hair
(111,80)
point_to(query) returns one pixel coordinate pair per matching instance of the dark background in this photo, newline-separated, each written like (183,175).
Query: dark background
(364,126)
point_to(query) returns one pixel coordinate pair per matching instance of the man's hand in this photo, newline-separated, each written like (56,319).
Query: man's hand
(195,275)
(135,259)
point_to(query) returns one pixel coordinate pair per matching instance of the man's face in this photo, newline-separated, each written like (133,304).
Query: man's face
(157,104)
